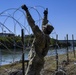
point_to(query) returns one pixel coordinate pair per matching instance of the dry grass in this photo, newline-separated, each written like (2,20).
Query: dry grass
(50,64)
(49,67)
(6,69)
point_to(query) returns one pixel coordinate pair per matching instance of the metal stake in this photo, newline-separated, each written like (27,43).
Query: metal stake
(23,64)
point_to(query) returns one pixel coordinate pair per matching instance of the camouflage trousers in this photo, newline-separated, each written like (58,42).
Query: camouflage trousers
(35,66)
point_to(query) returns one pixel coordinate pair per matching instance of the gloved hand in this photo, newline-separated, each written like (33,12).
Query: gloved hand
(45,11)
(24,7)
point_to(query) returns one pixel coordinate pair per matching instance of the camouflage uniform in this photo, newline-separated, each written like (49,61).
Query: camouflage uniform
(40,47)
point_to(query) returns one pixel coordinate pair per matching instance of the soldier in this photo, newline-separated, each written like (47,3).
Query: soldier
(40,45)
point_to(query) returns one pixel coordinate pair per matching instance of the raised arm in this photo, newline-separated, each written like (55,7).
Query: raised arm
(28,16)
(45,20)
(31,22)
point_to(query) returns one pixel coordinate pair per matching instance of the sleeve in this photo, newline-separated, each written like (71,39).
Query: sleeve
(37,32)
(45,21)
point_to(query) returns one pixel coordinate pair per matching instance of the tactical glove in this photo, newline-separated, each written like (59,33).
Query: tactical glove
(45,11)
(24,7)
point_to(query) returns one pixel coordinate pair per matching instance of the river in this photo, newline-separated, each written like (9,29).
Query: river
(10,56)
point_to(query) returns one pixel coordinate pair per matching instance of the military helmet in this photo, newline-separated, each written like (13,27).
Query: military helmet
(47,29)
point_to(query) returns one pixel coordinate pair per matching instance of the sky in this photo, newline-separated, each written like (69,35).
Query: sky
(61,14)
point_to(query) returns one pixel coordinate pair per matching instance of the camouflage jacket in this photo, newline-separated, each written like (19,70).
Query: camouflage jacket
(41,42)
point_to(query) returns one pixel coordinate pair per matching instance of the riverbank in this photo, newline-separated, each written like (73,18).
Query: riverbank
(8,58)
(49,66)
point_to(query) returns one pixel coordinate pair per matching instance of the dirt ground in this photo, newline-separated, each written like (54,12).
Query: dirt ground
(49,66)
(68,67)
